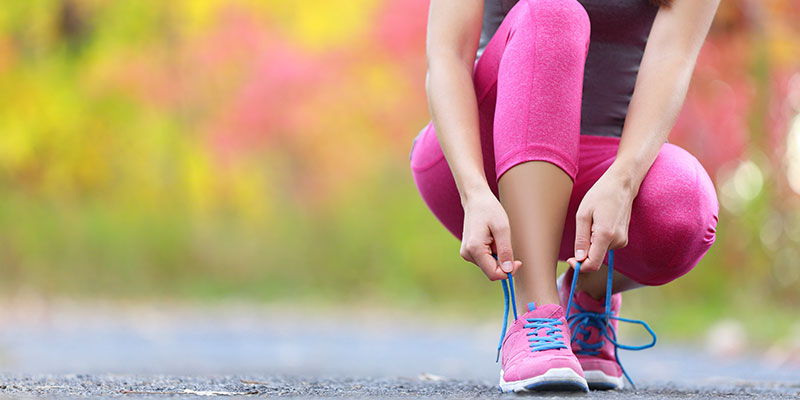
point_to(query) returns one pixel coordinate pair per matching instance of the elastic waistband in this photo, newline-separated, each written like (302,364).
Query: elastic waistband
(599,140)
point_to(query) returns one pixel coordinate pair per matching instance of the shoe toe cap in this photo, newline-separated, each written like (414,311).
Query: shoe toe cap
(608,367)
(530,367)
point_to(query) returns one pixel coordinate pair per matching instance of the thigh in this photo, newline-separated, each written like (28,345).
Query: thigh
(673,218)
(432,174)
(435,182)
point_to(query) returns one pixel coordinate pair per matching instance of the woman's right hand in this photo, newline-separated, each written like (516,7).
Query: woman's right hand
(487,232)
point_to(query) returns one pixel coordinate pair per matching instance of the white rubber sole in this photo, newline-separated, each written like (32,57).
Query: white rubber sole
(598,380)
(555,379)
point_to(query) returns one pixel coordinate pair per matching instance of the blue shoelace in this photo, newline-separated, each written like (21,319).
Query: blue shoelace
(578,322)
(506,283)
(537,343)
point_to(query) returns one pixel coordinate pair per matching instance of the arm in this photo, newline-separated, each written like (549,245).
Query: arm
(454,28)
(675,40)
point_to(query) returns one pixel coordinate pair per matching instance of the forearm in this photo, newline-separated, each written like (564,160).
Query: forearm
(675,40)
(454,109)
(657,100)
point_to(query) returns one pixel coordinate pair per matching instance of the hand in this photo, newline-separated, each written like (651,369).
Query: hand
(487,232)
(602,220)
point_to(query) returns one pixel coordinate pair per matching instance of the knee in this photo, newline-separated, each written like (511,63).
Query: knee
(679,213)
(561,22)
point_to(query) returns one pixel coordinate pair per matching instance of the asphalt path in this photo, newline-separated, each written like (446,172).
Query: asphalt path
(68,349)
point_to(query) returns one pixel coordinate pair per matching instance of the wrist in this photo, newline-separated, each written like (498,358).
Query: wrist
(627,175)
(473,191)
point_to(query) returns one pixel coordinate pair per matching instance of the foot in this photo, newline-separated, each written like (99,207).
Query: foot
(594,351)
(537,353)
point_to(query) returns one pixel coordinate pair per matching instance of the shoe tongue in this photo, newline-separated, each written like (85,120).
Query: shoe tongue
(544,311)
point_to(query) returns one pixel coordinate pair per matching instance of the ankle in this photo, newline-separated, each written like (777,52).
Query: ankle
(537,294)
(597,293)
(537,300)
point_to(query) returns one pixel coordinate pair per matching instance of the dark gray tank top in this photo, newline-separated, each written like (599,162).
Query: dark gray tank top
(619,33)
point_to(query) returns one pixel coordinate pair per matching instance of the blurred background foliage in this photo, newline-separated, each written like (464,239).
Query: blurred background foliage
(258,150)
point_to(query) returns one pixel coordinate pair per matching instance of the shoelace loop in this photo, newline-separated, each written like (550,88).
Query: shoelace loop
(583,320)
(578,322)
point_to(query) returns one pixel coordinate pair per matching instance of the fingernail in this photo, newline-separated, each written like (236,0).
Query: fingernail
(507,266)
(580,254)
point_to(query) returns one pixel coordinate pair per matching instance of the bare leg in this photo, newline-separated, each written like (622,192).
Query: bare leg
(535,195)
(594,283)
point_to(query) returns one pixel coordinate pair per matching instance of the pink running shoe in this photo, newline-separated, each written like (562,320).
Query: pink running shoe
(594,330)
(595,354)
(537,353)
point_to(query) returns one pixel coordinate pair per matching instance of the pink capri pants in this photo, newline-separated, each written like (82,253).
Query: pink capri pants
(528,83)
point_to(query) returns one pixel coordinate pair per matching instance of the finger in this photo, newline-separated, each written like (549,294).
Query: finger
(517,265)
(601,239)
(466,255)
(502,241)
(620,239)
(503,275)
(489,266)
(583,234)
(572,262)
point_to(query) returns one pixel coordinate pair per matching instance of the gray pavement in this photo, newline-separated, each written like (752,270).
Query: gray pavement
(68,349)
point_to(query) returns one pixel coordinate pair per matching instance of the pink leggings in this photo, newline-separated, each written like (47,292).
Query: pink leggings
(529,83)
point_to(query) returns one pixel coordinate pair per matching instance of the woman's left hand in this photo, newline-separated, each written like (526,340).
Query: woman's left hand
(602,220)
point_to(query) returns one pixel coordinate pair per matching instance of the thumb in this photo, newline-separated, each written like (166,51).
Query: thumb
(583,234)
(502,240)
